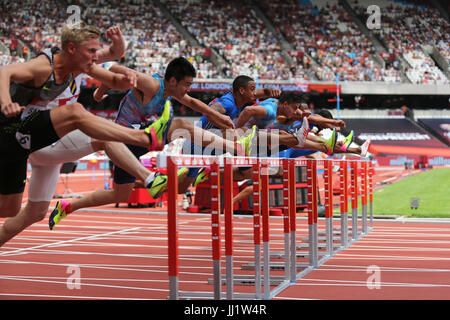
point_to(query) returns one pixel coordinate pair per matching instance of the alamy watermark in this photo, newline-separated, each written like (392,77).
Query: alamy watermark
(374,19)
(75,16)
(374,280)
(74,280)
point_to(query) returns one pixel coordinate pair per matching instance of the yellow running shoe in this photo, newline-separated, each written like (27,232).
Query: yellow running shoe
(159,185)
(347,142)
(330,143)
(57,214)
(248,142)
(203,175)
(157,131)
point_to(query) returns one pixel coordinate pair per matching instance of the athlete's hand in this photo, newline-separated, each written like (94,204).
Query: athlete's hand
(221,121)
(300,114)
(12,109)
(114,34)
(227,123)
(98,95)
(272,92)
(339,123)
(131,77)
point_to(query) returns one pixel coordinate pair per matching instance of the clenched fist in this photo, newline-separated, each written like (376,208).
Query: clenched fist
(12,109)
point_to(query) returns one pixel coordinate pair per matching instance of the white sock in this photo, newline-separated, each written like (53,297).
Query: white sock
(149,179)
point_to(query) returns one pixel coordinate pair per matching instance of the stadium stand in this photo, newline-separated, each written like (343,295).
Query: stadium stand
(406,28)
(277,40)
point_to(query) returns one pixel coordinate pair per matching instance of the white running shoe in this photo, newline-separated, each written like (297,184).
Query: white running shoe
(365,148)
(302,133)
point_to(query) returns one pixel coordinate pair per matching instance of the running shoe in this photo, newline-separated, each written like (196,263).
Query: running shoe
(365,148)
(347,142)
(157,131)
(57,214)
(331,143)
(158,186)
(203,175)
(302,133)
(248,143)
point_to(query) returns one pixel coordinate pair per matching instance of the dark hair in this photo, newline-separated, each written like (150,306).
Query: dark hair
(325,113)
(290,97)
(179,68)
(241,82)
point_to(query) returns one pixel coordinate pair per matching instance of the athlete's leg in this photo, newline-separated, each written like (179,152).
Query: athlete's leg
(246,193)
(42,185)
(10,204)
(32,213)
(122,157)
(120,193)
(13,175)
(185,129)
(70,117)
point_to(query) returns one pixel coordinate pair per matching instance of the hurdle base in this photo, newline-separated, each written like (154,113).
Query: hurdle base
(249,280)
(189,295)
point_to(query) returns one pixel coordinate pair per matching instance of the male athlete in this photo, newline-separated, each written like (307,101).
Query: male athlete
(37,83)
(142,104)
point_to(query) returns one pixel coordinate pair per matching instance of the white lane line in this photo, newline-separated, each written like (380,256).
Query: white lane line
(50,296)
(18,251)
(334,282)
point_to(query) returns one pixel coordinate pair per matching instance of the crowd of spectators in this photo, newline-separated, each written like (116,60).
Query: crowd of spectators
(236,32)
(6,59)
(405,28)
(324,38)
(328,35)
(152,41)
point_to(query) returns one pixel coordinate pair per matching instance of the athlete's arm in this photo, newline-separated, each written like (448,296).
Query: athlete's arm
(248,112)
(32,72)
(115,50)
(218,107)
(267,93)
(325,122)
(220,120)
(117,81)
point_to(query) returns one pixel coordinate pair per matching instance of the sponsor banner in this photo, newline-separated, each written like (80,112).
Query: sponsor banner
(225,85)
(411,160)
(393,132)
(439,126)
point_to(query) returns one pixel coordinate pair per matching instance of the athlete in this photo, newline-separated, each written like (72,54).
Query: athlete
(28,122)
(46,162)
(142,104)
(280,115)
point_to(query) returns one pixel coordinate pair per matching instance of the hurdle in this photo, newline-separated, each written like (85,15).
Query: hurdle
(343,183)
(354,199)
(266,285)
(371,173)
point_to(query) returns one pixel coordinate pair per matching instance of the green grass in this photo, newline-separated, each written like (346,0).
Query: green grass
(432,187)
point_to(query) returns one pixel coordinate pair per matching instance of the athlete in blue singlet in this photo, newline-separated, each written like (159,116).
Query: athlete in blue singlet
(231,104)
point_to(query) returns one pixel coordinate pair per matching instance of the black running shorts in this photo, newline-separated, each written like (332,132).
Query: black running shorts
(17,140)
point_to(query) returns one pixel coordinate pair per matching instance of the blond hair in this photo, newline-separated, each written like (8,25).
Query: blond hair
(78,33)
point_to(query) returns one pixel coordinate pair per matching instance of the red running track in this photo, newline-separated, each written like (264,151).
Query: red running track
(109,253)
(124,256)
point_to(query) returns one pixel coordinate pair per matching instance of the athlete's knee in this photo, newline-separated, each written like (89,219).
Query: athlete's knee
(180,128)
(9,207)
(181,124)
(77,112)
(36,211)
(99,145)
